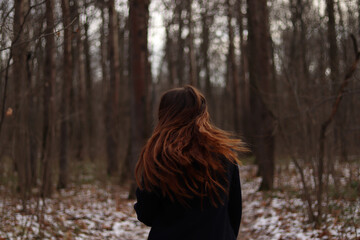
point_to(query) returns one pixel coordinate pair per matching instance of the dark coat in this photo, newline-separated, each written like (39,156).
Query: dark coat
(173,221)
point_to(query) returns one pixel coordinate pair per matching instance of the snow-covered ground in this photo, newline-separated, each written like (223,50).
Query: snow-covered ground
(281,216)
(103,212)
(89,212)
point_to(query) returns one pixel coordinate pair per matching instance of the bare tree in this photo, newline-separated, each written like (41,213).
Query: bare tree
(192,57)
(244,81)
(65,97)
(20,70)
(169,45)
(139,15)
(78,93)
(180,42)
(89,87)
(112,128)
(48,101)
(207,20)
(233,72)
(259,58)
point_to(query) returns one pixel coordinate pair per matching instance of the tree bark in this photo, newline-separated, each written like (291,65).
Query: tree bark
(112,127)
(104,67)
(334,76)
(244,83)
(233,70)
(48,101)
(170,57)
(65,97)
(21,132)
(139,15)
(89,90)
(180,44)
(333,49)
(192,58)
(334,62)
(259,58)
(358,16)
(78,94)
(206,22)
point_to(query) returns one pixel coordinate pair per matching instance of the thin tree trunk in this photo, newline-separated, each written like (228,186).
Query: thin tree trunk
(104,72)
(77,95)
(334,75)
(180,44)
(345,112)
(303,45)
(170,58)
(139,15)
(333,49)
(31,119)
(65,97)
(48,101)
(233,70)
(22,158)
(206,22)
(358,16)
(89,91)
(259,58)
(125,107)
(112,128)
(244,83)
(192,58)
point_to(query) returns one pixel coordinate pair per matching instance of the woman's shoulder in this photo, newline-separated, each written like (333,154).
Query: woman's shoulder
(227,163)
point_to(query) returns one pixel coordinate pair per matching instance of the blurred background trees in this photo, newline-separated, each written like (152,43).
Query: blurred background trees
(80,82)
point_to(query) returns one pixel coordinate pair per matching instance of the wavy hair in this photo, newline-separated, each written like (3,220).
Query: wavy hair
(181,158)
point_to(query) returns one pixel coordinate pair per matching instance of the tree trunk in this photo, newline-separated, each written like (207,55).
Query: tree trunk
(244,83)
(358,16)
(180,43)
(31,119)
(206,22)
(170,58)
(48,101)
(112,127)
(262,121)
(233,70)
(339,138)
(21,132)
(65,97)
(334,75)
(139,15)
(78,94)
(125,108)
(89,91)
(333,49)
(345,110)
(105,75)
(192,58)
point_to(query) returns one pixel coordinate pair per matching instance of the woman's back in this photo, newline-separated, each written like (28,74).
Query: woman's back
(199,219)
(188,177)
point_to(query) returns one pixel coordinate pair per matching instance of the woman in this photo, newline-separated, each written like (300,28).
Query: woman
(187,173)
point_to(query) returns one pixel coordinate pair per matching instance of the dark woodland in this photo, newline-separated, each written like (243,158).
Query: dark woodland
(80,83)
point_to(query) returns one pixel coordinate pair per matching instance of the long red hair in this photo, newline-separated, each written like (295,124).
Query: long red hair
(181,158)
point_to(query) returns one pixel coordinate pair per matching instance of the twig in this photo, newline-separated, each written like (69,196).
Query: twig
(5,17)
(39,37)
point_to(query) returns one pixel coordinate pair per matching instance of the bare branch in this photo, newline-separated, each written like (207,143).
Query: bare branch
(39,37)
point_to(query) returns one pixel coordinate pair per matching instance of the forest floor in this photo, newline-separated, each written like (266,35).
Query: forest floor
(92,211)
(281,214)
